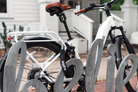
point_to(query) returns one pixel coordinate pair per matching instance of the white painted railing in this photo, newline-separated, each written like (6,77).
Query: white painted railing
(84,26)
(118,21)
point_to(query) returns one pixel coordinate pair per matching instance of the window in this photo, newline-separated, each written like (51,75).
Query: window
(6,8)
(72,3)
(3,6)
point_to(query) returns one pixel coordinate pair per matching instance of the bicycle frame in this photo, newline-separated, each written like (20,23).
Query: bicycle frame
(104,29)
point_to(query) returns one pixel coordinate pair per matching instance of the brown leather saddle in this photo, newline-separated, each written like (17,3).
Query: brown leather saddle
(56,8)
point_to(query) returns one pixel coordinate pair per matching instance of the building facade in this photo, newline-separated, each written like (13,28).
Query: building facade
(24,12)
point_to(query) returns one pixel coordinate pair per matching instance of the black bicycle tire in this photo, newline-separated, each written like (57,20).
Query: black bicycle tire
(50,45)
(118,41)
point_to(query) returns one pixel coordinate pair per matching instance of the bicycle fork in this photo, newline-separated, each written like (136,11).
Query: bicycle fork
(117,41)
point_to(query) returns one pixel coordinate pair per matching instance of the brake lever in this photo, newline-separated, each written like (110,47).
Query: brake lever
(79,14)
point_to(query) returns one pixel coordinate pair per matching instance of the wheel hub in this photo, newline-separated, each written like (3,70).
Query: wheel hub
(34,73)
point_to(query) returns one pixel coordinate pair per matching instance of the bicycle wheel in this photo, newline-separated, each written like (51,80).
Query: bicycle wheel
(41,51)
(123,51)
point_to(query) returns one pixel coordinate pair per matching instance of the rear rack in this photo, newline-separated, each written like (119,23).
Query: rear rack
(53,36)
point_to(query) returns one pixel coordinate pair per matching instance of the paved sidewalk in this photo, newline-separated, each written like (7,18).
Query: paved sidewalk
(103,67)
(101,87)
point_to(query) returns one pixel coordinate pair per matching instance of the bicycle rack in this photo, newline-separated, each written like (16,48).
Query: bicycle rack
(92,68)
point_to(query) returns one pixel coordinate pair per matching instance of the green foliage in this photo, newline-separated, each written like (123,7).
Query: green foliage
(14,28)
(21,28)
(20,37)
(117,5)
(4,36)
(135,2)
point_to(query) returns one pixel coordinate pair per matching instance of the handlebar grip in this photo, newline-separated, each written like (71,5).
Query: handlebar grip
(81,11)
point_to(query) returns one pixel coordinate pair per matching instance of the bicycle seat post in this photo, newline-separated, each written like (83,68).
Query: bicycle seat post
(63,18)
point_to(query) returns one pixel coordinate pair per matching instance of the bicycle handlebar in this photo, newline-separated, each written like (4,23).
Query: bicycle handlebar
(91,6)
(114,1)
(83,10)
